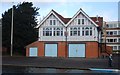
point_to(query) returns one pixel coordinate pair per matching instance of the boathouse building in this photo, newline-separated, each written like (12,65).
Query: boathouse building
(78,36)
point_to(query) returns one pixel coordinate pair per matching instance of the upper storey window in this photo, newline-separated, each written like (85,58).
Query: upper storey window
(112,26)
(87,31)
(58,32)
(111,32)
(118,25)
(53,31)
(52,22)
(90,31)
(75,31)
(80,21)
(47,31)
(118,32)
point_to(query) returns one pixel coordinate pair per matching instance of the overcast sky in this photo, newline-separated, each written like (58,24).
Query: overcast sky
(107,10)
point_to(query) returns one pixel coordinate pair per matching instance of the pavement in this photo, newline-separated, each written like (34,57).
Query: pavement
(54,62)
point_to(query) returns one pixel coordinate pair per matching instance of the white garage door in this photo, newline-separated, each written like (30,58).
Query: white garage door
(33,51)
(76,50)
(51,50)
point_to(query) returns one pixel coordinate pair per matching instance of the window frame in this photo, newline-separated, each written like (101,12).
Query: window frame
(78,21)
(83,21)
(83,31)
(58,32)
(118,47)
(90,31)
(75,31)
(87,31)
(114,47)
(52,22)
(47,31)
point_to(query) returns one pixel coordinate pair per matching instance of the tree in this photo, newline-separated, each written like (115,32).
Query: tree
(24,32)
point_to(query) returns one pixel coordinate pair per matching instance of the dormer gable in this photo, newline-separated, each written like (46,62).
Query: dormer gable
(54,15)
(66,21)
(80,17)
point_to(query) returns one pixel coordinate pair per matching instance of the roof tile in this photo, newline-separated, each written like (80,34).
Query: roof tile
(66,20)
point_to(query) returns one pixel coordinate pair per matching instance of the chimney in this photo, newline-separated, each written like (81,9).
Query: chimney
(97,19)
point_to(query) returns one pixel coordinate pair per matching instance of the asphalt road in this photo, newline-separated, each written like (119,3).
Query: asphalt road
(48,62)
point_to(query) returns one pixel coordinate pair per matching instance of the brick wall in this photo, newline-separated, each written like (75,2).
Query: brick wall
(91,49)
(61,49)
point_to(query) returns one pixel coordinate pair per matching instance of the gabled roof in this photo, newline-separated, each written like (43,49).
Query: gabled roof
(67,21)
(58,16)
(81,11)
